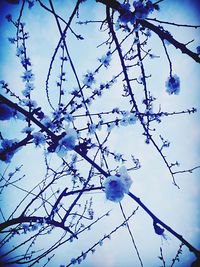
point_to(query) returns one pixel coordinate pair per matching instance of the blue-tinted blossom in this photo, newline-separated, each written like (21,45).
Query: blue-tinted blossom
(69,117)
(118,157)
(88,79)
(114,188)
(92,128)
(28,103)
(46,121)
(132,119)
(127,16)
(117,185)
(105,60)
(73,261)
(38,138)
(20,51)
(125,178)
(6,112)
(142,10)
(124,121)
(28,76)
(110,126)
(28,88)
(27,130)
(66,143)
(25,61)
(173,85)
(11,40)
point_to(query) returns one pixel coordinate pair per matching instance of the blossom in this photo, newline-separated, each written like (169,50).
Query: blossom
(28,76)
(25,61)
(6,144)
(110,126)
(28,103)
(88,79)
(132,118)
(69,117)
(92,128)
(126,178)
(173,85)
(27,130)
(117,185)
(118,157)
(28,88)
(11,40)
(38,138)
(46,121)
(142,10)
(127,16)
(20,51)
(114,188)
(67,142)
(6,112)
(73,261)
(105,60)
(124,121)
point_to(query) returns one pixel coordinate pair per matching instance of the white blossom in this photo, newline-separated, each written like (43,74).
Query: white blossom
(92,128)
(38,138)
(88,79)
(124,121)
(173,85)
(117,185)
(28,76)
(27,130)
(114,188)
(105,60)
(66,143)
(126,178)
(132,119)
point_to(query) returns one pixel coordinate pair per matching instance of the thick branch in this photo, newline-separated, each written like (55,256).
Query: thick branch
(96,166)
(34,219)
(161,33)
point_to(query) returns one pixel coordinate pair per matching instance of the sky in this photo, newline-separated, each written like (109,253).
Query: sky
(152,183)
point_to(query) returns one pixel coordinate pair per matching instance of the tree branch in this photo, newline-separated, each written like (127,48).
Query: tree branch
(161,33)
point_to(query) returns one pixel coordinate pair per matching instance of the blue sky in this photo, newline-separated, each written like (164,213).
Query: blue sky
(152,182)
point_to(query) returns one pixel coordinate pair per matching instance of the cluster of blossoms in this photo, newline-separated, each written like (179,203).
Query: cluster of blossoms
(141,11)
(117,185)
(67,142)
(173,85)
(27,76)
(128,119)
